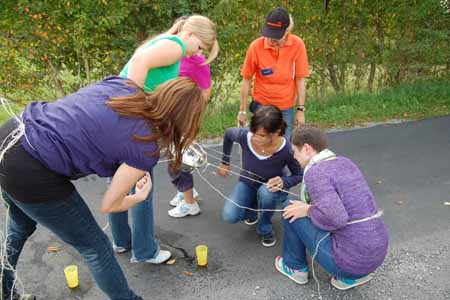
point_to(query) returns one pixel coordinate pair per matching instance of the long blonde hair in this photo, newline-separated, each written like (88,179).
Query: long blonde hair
(199,25)
(174,110)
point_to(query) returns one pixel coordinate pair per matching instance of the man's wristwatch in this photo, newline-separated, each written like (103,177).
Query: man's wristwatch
(301,108)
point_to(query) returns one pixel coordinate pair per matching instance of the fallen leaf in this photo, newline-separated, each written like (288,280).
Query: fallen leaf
(400,202)
(171,261)
(379,182)
(187,273)
(447,203)
(54,249)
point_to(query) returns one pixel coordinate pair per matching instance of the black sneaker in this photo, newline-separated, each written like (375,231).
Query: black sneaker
(17,296)
(251,222)
(268,240)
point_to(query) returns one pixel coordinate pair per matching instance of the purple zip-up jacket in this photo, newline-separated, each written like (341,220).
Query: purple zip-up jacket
(266,168)
(340,194)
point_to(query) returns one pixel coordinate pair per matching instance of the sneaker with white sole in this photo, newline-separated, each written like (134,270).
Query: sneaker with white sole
(298,276)
(345,284)
(268,240)
(184,209)
(251,222)
(119,249)
(162,257)
(180,197)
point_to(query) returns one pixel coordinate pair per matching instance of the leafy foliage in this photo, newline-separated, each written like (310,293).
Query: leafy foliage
(51,48)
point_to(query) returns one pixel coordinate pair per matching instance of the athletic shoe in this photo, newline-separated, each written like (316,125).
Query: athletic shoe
(298,276)
(179,197)
(345,284)
(268,240)
(162,257)
(17,296)
(184,209)
(118,249)
(251,222)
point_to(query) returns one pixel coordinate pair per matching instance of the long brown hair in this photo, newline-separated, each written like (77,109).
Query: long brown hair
(174,110)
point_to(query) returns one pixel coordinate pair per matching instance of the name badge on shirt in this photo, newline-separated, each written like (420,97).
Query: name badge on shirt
(266,72)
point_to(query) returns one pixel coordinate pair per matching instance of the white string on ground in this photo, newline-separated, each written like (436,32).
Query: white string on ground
(227,198)
(312,264)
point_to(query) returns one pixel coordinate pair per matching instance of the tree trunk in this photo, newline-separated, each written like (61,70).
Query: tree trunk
(54,75)
(373,69)
(86,64)
(333,77)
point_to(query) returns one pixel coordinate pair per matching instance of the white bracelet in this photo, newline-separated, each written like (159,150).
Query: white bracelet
(242,112)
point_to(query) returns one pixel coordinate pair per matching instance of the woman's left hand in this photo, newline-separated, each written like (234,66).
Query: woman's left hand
(275,184)
(144,186)
(299,118)
(295,210)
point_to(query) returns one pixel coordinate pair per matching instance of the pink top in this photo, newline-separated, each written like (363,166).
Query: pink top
(193,68)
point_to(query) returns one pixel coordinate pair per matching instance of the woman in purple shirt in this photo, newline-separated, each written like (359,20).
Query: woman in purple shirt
(110,128)
(265,154)
(337,220)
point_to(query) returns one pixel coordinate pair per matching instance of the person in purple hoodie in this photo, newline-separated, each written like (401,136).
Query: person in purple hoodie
(337,221)
(262,183)
(109,128)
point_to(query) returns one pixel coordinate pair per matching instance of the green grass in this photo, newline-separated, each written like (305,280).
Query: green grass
(408,102)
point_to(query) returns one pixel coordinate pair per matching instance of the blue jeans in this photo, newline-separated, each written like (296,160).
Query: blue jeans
(303,234)
(72,221)
(140,237)
(247,196)
(288,116)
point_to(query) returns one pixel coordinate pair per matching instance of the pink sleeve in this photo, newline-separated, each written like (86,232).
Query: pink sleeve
(194,68)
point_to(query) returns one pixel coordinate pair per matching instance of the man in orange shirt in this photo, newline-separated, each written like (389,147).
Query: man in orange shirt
(279,63)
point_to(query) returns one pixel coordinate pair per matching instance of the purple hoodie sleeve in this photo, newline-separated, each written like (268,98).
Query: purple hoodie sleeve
(231,135)
(328,212)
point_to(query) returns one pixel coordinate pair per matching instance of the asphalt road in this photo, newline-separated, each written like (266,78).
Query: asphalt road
(407,166)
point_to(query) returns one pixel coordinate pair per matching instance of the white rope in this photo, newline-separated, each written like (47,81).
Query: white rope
(235,166)
(252,179)
(12,138)
(227,198)
(312,263)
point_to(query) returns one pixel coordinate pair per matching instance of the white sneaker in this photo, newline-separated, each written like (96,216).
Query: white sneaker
(179,197)
(162,257)
(183,209)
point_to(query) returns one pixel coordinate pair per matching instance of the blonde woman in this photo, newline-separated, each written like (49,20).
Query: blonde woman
(154,62)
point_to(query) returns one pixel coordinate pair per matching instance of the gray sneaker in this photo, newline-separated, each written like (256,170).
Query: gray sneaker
(345,284)
(298,276)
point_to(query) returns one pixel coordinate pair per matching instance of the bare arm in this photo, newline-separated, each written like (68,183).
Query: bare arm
(163,53)
(301,97)
(116,199)
(245,89)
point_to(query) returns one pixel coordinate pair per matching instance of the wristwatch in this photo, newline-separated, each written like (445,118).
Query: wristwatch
(301,108)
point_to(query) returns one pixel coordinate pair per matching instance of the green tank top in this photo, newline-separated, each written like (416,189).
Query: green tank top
(162,74)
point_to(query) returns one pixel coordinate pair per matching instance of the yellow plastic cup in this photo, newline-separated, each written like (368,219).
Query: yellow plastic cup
(201,252)
(71,273)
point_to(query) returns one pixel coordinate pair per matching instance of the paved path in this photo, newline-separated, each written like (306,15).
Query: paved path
(408,167)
